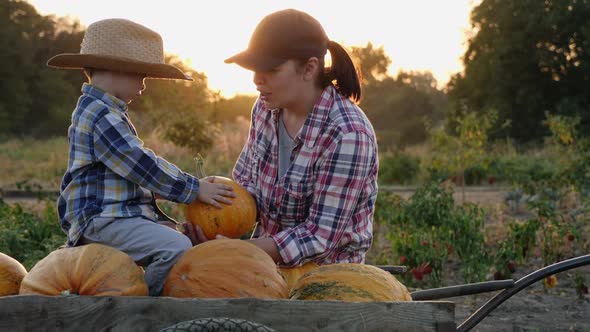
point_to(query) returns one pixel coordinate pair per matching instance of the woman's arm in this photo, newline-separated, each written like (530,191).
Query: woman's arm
(270,247)
(348,167)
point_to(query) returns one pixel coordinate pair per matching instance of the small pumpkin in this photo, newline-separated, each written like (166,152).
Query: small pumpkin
(92,269)
(12,273)
(231,221)
(225,268)
(349,282)
(292,274)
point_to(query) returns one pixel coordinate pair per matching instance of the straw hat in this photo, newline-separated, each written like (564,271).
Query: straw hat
(123,46)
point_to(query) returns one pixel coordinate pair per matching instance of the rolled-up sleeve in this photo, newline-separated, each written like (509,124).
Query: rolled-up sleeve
(342,174)
(120,150)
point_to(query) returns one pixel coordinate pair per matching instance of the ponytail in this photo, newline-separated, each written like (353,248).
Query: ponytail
(342,74)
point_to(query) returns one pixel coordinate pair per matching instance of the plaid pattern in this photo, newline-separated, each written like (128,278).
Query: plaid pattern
(322,208)
(110,173)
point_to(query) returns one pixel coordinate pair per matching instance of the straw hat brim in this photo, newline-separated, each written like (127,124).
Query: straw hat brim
(120,64)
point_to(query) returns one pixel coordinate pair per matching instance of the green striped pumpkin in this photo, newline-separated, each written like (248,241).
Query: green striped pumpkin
(349,282)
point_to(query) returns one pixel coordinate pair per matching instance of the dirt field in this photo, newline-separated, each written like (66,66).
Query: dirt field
(532,309)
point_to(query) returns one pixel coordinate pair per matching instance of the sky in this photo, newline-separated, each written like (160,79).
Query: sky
(415,34)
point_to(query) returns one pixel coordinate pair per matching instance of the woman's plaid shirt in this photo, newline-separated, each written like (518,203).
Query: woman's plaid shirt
(110,173)
(322,208)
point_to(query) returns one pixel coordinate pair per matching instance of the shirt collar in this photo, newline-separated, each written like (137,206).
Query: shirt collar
(104,96)
(317,118)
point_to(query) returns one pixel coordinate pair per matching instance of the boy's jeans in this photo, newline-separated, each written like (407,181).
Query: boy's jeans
(153,246)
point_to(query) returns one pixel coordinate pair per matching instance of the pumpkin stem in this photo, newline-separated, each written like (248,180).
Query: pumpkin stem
(200,170)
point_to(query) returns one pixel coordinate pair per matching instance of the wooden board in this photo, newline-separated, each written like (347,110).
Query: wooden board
(87,313)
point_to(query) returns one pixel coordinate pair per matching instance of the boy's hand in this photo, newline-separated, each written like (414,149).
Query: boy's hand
(214,193)
(195,234)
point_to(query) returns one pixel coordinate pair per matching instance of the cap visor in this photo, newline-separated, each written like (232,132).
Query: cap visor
(255,62)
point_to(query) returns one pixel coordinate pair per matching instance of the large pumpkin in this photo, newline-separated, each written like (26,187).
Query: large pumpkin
(225,268)
(11,274)
(350,283)
(292,274)
(92,269)
(231,221)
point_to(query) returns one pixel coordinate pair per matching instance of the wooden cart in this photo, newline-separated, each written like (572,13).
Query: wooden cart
(92,313)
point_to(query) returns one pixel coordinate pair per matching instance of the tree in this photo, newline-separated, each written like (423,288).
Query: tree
(466,147)
(398,107)
(227,110)
(373,63)
(181,108)
(525,58)
(34,100)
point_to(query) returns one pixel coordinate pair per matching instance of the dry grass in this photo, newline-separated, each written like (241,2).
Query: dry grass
(219,160)
(42,163)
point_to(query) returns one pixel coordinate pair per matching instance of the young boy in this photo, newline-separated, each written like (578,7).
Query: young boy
(111,182)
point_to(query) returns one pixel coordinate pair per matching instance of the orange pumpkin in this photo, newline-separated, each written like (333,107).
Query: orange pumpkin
(92,269)
(292,274)
(349,282)
(12,273)
(231,221)
(225,268)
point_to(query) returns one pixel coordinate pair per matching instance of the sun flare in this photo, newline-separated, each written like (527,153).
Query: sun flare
(416,35)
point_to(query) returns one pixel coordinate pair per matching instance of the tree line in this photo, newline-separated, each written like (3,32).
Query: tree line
(524,59)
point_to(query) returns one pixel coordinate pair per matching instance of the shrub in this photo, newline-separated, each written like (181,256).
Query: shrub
(28,237)
(475,174)
(428,228)
(399,168)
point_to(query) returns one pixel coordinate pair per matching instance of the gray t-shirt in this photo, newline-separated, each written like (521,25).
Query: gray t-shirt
(286,145)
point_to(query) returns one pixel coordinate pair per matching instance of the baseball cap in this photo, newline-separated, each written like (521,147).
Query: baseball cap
(280,36)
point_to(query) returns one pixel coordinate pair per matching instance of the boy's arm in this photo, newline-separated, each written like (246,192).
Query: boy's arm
(120,150)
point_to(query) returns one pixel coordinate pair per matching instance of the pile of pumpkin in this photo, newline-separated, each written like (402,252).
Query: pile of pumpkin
(222,268)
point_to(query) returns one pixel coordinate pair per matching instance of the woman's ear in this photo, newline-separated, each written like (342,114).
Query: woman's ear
(310,70)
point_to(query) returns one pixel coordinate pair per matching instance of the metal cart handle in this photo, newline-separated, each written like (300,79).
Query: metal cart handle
(519,285)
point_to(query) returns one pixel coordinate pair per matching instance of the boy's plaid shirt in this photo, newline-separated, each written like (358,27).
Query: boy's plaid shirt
(110,173)
(322,208)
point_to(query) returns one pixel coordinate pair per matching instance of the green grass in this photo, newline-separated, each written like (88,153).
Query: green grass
(29,232)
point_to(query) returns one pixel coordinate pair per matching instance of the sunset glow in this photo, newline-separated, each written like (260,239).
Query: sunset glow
(416,35)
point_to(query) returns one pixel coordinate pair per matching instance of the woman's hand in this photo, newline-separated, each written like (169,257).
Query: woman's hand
(194,233)
(168,223)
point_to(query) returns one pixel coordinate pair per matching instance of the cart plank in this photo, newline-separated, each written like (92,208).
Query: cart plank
(90,313)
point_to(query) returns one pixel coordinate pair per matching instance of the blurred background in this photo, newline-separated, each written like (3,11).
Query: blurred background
(490,81)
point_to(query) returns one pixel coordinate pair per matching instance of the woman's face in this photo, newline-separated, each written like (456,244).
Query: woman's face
(280,87)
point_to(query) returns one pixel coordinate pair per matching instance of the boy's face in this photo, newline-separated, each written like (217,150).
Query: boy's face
(127,86)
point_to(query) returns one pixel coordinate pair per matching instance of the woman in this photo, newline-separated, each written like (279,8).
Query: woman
(311,156)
